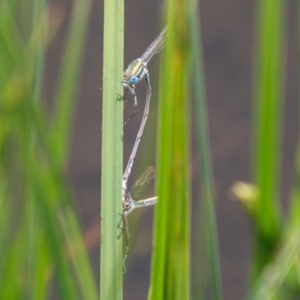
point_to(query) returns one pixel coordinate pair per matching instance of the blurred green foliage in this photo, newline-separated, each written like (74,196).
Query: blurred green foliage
(170,278)
(41,244)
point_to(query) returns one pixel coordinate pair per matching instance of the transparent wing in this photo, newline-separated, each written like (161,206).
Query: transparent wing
(141,186)
(155,47)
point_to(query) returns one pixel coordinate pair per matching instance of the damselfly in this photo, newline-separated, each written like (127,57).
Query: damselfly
(132,200)
(137,70)
(134,73)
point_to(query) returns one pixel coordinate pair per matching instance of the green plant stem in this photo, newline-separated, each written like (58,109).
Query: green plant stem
(65,214)
(170,277)
(66,91)
(268,123)
(111,268)
(207,213)
(270,281)
(295,197)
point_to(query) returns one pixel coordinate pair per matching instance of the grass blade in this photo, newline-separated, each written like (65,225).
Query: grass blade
(111,268)
(269,283)
(208,219)
(294,215)
(69,74)
(170,274)
(268,125)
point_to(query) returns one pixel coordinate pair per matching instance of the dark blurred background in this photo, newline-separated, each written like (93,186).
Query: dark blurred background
(228,32)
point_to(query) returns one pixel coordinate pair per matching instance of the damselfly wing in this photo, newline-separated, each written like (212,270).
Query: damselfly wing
(133,198)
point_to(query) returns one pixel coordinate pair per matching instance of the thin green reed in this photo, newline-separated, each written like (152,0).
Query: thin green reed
(111,268)
(281,273)
(295,201)
(170,273)
(37,49)
(294,212)
(270,84)
(206,270)
(65,98)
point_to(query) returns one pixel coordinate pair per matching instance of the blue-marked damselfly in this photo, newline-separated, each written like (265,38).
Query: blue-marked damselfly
(134,73)
(137,69)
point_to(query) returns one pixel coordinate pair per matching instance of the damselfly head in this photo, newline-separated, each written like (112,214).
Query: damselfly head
(127,203)
(133,80)
(129,81)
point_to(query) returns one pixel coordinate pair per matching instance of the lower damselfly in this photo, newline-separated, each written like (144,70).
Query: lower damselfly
(134,199)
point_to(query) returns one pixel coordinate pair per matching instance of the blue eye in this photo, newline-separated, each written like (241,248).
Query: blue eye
(133,80)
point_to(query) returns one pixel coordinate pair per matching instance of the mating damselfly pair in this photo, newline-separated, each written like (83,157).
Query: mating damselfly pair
(136,71)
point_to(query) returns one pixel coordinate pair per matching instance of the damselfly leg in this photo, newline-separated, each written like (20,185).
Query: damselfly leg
(134,103)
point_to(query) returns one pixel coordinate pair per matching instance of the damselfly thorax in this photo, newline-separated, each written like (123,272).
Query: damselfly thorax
(134,73)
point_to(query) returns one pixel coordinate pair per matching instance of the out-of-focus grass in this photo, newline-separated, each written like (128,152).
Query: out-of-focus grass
(268,126)
(294,213)
(40,237)
(275,265)
(170,278)
(207,270)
